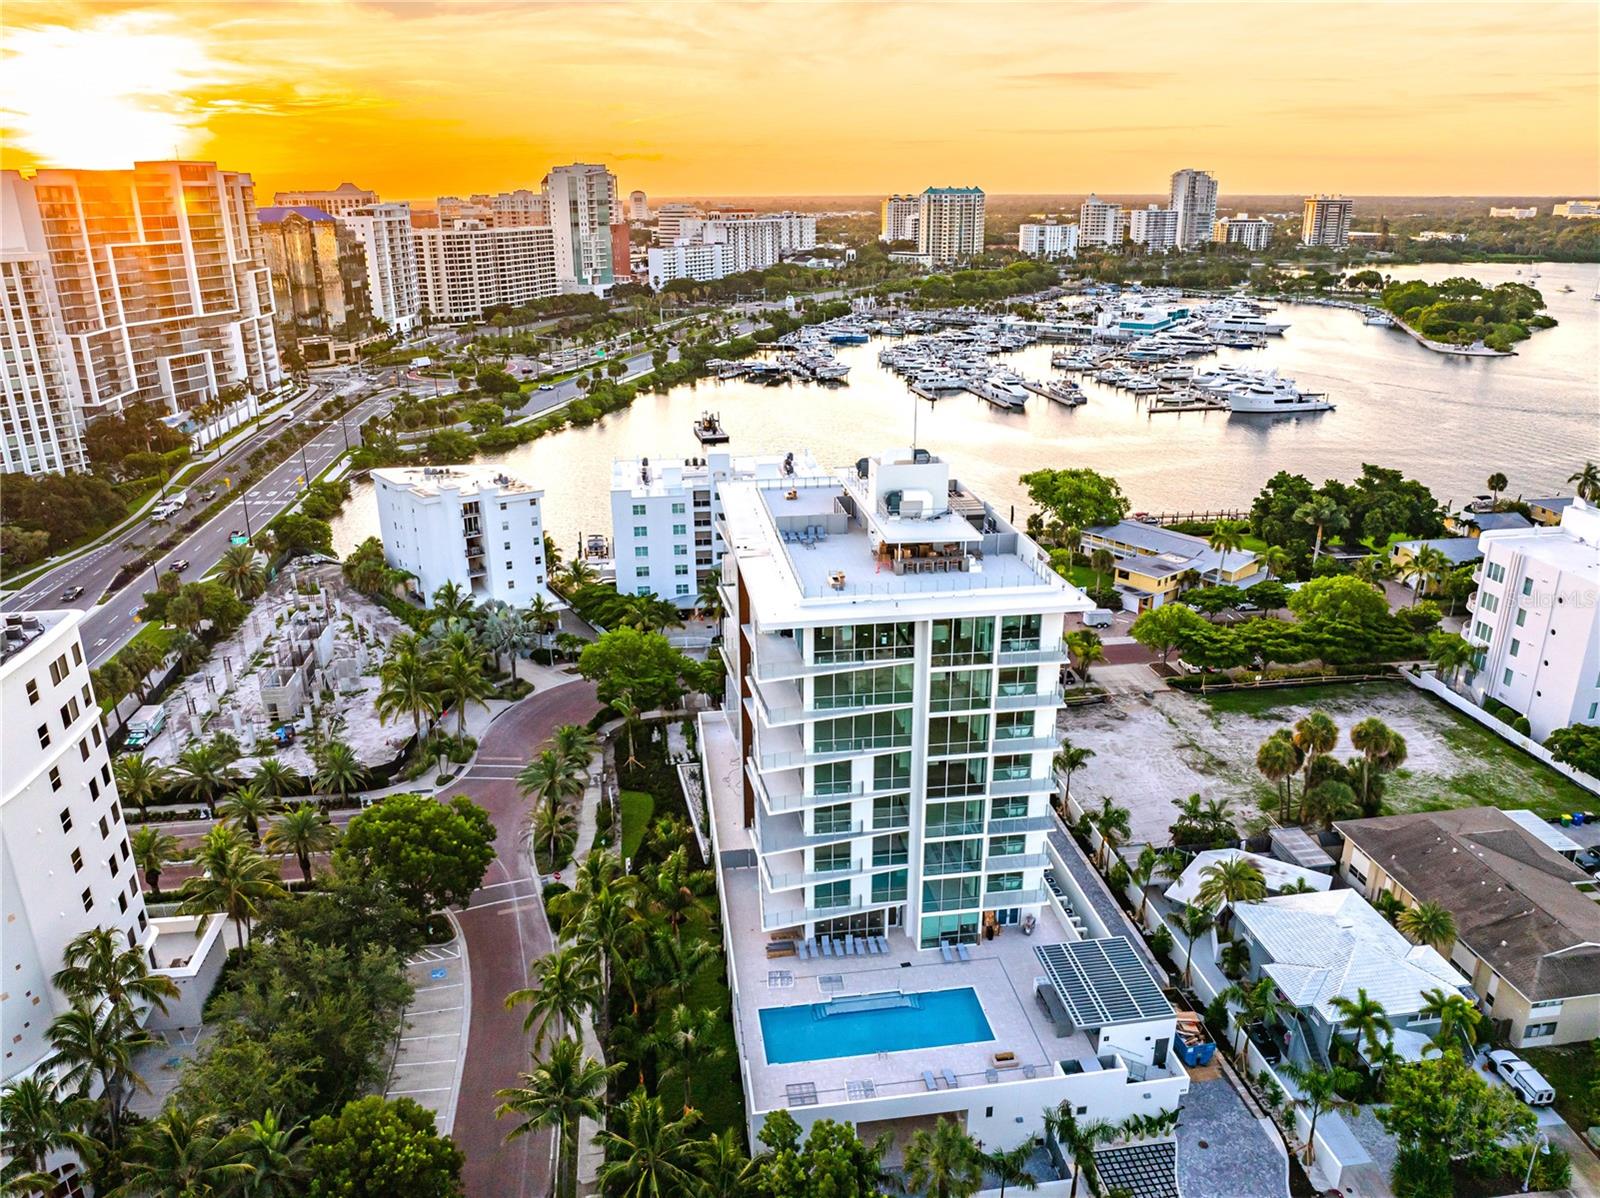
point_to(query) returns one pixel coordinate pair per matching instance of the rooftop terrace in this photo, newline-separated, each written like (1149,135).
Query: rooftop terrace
(468,480)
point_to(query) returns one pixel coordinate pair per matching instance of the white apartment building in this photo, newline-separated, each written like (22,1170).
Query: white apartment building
(474,526)
(467,268)
(669,221)
(752,241)
(1577,209)
(388,240)
(1327,221)
(638,207)
(582,203)
(899,218)
(162,282)
(879,783)
(1048,240)
(666,516)
(1099,222)
(1154,228)
(1194,199)
(685,259)
(1536,620)
(1252,232)
(1515,213)
(41,422)
(344,200)
(950,223)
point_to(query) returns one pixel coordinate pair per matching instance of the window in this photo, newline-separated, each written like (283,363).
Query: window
(105,828)
(643,572)
(1522,616)
(1594,709)
(639,530)
(1515,645)
(124,850)
(88,899)
(1506,679)
(1487,601)
(105,773)
(831,858)
(88,696)
(958,734)
(881,685)
(642,590)
(1538,1031)
(890,850)
(122,902)
(680,551)
(1004,883)
(891,811)
(507,545)
(962,776)
(114,865)
(948,929)
(959,642)
(1007,846)
(1013,725)
(77,656)
(959,690)
(832,778)
(832,894)
(33,690)
(66,819)
(641,551)
(94,731)
(116,813)
(58,670)
(680,530)
(1020,634)
(94,788)
(892,772)
(681,569)
(875,730)
(833,818)
(862,642)
(77,860)
(889,887)
(1496,572)
(1480,630)
(638,509)
(1527,586)
(1015,807)
(678,509)
(69,712)
(952,857)
(955,819)
(683,588)
(1013,767)
(55,777)
(949,894)
(44,736)
(83,749)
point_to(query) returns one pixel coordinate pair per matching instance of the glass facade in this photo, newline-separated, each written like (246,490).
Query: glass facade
(849,734)
(863,688)
(963,642)
(862,642)
(959,690)
(1019,634)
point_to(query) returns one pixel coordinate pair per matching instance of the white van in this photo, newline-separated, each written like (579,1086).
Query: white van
(1522,1077)
(1099,617)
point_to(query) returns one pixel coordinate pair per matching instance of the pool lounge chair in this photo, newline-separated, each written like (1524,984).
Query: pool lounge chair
(945,953)
(883,945)
(929,1080)
(949,1078)
(827,947)
(862,947)
(963,952)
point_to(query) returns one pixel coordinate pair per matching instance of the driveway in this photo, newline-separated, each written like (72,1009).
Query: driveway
(505,932)
(1223,1148)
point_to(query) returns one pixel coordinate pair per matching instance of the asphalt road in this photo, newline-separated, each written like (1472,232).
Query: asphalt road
(111,625)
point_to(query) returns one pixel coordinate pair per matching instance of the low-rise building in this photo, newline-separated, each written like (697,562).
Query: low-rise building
(1514,213)
(684,259)
(666,516)
(1099,222)
(475,526)
(467,268)
(1458,551)
(1048,240)
(1548,511)
(1252,232)
(1577,210)
(1533,620)
(1155,564)
(1439,235)
(1527,923)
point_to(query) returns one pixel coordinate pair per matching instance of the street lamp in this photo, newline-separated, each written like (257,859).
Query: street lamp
(1541,1148)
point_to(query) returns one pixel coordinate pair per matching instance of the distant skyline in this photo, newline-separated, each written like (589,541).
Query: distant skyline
(417,98)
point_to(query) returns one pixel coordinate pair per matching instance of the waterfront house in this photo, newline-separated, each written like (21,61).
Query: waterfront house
(1155,564)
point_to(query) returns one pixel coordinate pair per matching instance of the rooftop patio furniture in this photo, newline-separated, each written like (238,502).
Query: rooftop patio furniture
(929,1080)
(949,1078)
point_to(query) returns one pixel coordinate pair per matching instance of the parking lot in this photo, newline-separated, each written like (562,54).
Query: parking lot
(433,1036)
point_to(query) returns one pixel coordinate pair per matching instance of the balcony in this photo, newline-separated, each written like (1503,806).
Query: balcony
(791,881)
(1023,786)
(795,916)
(1019,824)
(783,747)
(1016,862)
(1013,898)
(781,704)
(1024,744)
(780,799)
(1034,657)
(786,833)
(1044,698)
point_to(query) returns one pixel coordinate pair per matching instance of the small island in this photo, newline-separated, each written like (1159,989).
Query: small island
(1463,316)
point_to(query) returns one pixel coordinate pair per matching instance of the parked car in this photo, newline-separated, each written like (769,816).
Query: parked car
(179,566)
(546,387)
(1522,1077)
(71,593)
(208,495)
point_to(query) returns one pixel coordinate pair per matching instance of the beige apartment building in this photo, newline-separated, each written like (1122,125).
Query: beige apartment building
(1527,923)
(319,271)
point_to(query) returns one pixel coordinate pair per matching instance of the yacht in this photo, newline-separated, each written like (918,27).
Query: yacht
(1068,393)
(1274,395)
(1000,392)
(708,429)
(1382,319)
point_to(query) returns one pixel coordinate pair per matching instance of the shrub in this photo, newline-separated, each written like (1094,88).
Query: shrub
(1520,724)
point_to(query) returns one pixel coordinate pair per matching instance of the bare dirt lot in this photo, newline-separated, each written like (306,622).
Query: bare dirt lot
(1150,752)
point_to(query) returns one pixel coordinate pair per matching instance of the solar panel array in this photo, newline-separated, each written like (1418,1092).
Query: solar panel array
(1102,982)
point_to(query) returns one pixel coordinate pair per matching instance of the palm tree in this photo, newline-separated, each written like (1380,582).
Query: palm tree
(1587,482)
(708,598)
(180,1154)
(625,707)
(1319,1092)
(943,1163)
(1279,759)
(1078,1142)
(274,778)
(1429,923)
(273,1153)
(406,686)
(1231,880)
(1068,760)
(460,682)
(1314,735)
(683,1040)
(1100,561)
(647,1154)
(558,1092)
(137,780)
(1450,653)
(1140,873)
(1011,1167)
(577,744)
(1367,1022)
(567,989)
(542,615)
(97,968)
(1323,514)
(677,891)
(497,630)
(240,572)
(1193,922)
(608,925)
(1085,648)
(1112,823)
(722,1167)
(1428,567)
(236,881)
(1371,738)
(452,602)
(339,771)
(1226,536)
(579,575)
(247,807)
(38,1120)
(89,1047)
(204,771)
(1458,1018)
(303,829)
(1330,801)
(1496,483)
(152,849)
(1275,559)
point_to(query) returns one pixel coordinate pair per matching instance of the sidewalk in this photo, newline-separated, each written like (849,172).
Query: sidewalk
(433,1031)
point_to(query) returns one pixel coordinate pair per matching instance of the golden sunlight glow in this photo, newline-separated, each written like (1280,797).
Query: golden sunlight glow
(105,94)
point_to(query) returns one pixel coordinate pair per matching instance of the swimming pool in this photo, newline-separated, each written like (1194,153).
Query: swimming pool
(860,1025)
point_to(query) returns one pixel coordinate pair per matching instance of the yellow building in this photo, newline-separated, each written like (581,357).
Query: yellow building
(1156,564)
(1527,926)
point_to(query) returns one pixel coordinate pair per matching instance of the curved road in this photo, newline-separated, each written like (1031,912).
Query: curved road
(506,932)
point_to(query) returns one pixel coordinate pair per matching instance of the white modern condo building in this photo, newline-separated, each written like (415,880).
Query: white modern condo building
(1099,222)
(1154,228)
(469,267)
(388,241)
(41,424)
(950,223)
(1048,240)
(475,526)
(666,516)
(162,281)
(1252,232)
(1326,221)
(752,241)
(899,218)
(698,260)
(582,204)
(1535,620)
(1194,199)
(880,783)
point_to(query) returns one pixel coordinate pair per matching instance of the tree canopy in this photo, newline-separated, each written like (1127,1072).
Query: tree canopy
(430,854)
(376,1147)
(1077,497)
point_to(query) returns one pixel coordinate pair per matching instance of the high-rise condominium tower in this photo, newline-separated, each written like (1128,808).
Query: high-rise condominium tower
(950,223)
(582,203)
(1194,199)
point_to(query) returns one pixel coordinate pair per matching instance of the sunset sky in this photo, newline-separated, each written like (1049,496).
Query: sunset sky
(416,98)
